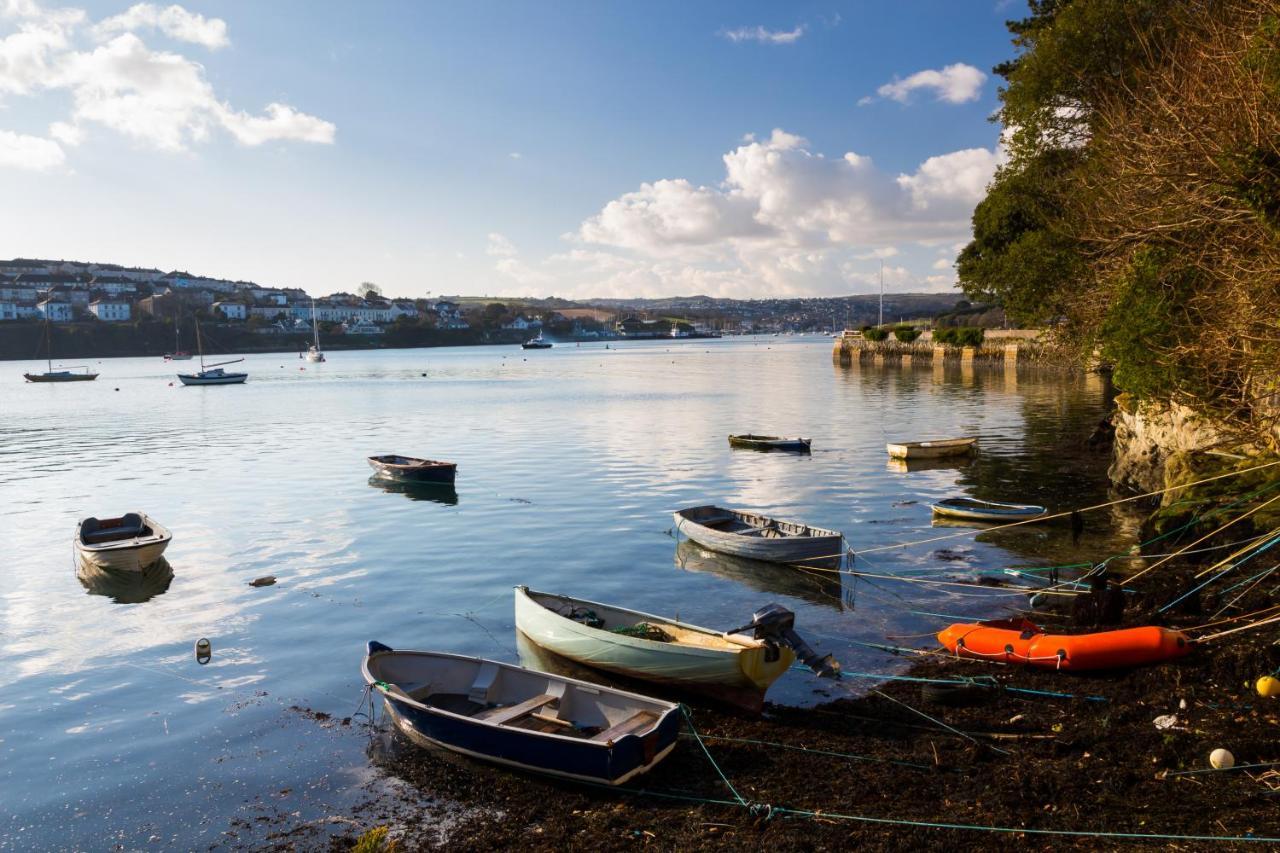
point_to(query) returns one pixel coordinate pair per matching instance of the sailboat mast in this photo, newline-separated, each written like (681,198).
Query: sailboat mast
(48,340)
(315,330)
(200,346)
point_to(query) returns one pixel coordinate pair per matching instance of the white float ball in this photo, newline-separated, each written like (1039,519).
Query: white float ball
(1222,759)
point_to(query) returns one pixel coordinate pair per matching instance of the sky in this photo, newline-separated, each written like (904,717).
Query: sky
(519,148)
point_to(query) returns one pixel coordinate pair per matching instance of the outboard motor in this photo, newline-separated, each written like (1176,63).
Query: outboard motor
(775,625)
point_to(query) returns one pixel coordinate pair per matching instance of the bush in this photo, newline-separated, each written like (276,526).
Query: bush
(961,336)
(875,335)
(906,334)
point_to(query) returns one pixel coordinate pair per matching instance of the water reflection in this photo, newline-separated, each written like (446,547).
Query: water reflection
(441,493)
(822,587)
(126,587)
(906,466)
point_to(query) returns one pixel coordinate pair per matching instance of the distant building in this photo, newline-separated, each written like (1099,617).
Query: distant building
(113,284)
(269,311)
(360,327)
(449,315)
(110,311)
(55,312)
(403,308)
(231,310)
(522,322)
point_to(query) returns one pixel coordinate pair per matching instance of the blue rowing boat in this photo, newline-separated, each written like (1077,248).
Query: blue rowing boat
(522,718)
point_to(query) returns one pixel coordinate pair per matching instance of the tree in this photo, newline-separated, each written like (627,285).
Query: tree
(369,290)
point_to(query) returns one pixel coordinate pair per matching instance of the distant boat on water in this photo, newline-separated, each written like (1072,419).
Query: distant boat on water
(936,449)
(64,375)
(770,442)
(314,353)
(178,354)
(212,374)
(536,342)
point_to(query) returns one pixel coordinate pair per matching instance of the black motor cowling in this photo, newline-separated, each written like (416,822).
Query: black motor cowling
(775,625)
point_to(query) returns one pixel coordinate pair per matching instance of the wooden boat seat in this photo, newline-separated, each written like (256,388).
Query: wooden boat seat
(501,716)
(97,531)
(631,724)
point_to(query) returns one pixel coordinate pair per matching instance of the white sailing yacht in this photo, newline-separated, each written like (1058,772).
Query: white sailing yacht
(314,353)
(212,374)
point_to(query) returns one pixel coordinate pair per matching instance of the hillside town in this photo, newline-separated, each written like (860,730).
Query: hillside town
(91,294)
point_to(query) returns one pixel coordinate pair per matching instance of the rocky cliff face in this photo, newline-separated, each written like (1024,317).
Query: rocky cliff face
(1147,437)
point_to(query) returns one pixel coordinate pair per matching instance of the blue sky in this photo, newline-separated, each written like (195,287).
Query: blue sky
(524,148)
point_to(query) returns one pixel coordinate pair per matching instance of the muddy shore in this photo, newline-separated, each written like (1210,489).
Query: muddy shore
(1094,764)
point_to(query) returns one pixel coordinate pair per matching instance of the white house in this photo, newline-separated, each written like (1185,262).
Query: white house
(268,312)
(18,293)
(8,311)
(231,310)
(110,311)
(113,284)
(449,315)
(55,312)
(520,322)
(403,308)
(342,312)
(360,327)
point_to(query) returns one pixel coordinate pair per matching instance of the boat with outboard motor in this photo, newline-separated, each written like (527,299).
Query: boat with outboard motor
(735,666)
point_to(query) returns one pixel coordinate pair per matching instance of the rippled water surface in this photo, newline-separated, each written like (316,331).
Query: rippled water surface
(570,462)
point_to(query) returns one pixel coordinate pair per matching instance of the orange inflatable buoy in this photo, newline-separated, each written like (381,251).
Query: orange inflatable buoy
(1021,641)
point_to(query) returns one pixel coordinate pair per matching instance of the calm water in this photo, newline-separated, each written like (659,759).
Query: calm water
(570,462)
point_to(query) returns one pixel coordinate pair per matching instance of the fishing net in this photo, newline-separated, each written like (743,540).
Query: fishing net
(645,631)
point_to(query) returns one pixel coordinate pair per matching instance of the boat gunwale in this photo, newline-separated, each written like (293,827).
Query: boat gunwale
(670,707)
(159,534)
(950,505)
(733,649)
(417,463)
(815,532)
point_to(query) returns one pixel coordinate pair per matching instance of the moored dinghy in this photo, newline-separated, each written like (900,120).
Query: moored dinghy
(131,543)
(972,509)
(410,469)
(733,667)
(758,537)
(748,441)
(935,449)
(521,718)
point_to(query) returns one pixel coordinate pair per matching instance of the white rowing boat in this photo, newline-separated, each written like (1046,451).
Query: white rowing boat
(735,668)
(131,543)
(758,537)
(936,449)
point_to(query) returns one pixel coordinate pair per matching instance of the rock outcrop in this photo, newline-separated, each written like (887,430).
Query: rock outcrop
(1148,436)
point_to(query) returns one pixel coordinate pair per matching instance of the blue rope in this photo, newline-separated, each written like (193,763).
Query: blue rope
(689,719)
(1230,568)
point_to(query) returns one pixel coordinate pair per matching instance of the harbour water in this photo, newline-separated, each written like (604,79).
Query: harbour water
(570,463)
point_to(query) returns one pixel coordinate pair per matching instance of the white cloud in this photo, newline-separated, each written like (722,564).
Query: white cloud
(954,84)
(18,151)
(500,247)
(516,155)
(174,21)
(764,36)
(943,264)
(160,99)
(785,220)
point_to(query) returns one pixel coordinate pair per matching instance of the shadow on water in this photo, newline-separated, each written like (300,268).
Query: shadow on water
(441,493)
(126,587)
(822,587)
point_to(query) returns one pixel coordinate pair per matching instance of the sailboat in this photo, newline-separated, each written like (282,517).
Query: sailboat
(211,374)
(314,353)
(178,354)
(57,375)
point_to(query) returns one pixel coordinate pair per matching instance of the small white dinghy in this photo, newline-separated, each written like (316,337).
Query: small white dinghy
(758,537)
(522,718)
(936,449)
(131,543)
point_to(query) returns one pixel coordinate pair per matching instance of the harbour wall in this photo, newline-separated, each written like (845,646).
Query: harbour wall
(1000,347)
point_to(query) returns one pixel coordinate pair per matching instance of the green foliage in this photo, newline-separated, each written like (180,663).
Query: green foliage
(1256,182)
(875,335)
(1145,325)
(1020,257)
(906,334)
(375,841)
(960,336)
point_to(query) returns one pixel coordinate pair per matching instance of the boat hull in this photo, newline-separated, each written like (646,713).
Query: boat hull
(225,379)
(739,676)
(986,512)
(819,550)
(60,377)
(932,449)
(129,555)
(612,762)
(439,474)
(535,346)
(793,445)
(1025,644)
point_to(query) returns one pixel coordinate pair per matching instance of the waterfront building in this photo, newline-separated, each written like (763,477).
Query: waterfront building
(55,312)
(230,310)
(110,311)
